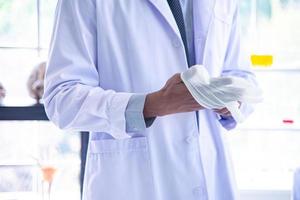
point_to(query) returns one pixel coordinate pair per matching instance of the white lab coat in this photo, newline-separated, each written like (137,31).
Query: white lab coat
(102,52)
(296,186)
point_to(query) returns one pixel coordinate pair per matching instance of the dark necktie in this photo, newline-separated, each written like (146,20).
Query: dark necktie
(178,15)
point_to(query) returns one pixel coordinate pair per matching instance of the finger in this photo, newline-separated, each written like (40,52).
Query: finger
(194,108)
(193,104)
(223,112)
(227,114)
(182,88)
(176,78)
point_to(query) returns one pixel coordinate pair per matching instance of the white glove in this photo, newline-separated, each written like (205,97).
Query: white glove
(217,93)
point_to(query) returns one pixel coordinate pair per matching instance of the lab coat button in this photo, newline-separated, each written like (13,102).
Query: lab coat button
(189,139)
(200,191)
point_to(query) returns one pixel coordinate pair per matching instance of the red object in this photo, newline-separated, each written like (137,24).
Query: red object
(288,121)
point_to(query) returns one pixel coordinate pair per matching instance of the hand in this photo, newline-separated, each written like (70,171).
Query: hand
(174,97)
(224,111)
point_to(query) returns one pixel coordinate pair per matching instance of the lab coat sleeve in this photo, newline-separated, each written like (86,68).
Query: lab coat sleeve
(73,98)
(237,63)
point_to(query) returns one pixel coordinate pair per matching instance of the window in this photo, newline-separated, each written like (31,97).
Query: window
(27,150)
(25,31)
(271,27)
(265,149)
(31,151)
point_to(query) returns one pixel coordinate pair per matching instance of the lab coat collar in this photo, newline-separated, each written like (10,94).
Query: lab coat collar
(203,10)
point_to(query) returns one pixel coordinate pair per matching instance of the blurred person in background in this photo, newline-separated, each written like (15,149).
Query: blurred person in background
(35,83)
(2,93)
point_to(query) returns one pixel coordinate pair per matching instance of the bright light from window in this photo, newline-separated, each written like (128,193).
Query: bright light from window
(265,150)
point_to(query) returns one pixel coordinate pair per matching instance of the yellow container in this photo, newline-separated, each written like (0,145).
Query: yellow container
(262,60)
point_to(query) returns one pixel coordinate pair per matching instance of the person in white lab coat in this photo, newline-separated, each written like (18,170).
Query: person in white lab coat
(113,71)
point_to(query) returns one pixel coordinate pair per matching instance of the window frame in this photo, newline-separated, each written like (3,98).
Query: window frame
(38,48)
(253,22)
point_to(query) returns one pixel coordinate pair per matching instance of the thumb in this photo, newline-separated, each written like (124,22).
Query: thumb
(175,79)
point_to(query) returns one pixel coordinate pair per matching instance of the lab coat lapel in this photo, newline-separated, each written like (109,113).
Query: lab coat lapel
(203,14)
(163,8)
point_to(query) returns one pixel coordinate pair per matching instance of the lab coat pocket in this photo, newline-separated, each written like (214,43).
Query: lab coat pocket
(120,169)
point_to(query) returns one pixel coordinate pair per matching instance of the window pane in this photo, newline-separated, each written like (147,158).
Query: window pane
(18,24)
(28,147)
(271,27)
(17,178)
(281,106)
(47,19)
(265,149)
(246,21)
(265,160)
(278,31)
(15,68)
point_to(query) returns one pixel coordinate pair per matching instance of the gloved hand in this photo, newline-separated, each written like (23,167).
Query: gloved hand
(221,92)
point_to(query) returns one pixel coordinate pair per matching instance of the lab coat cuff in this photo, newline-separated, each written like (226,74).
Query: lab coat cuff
(135,121)
(229,123)
(117,115)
